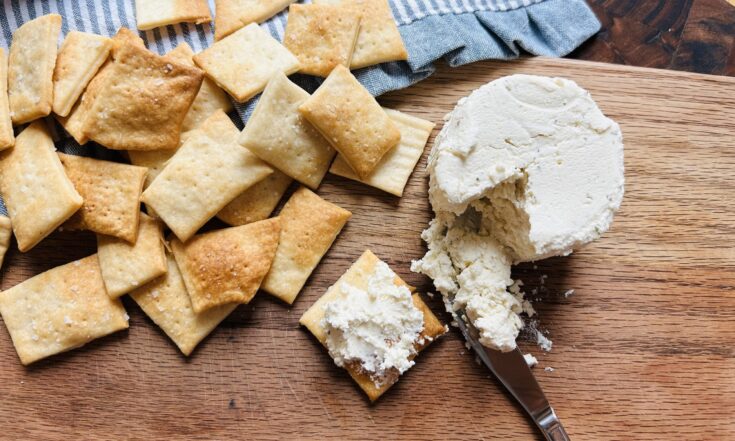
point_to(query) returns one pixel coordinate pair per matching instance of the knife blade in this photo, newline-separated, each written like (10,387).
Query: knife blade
(511,370)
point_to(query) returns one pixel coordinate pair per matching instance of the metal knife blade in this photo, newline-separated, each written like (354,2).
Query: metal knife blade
(513,372)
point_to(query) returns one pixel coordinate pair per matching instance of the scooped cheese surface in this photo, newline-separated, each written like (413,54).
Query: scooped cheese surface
(538,170)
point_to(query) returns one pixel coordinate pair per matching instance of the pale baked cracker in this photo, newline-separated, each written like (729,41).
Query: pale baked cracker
(80,57)
(358,275)
(143,101)
(38,194)
(151,14)
(59,310)
(379,40)
(278,134)
(111,194)
(155,161)
(5,233)
(257,202)
(7,138)
(321,36)
(231,15)
(127,266)
(227,266)
(392,172)
(123,37)
(204,175)
(351,120)
(243,62)
(209,99)
(167,303)
(309,226)
(31,68)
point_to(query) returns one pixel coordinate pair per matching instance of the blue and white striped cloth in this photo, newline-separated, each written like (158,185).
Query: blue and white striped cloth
(460,31)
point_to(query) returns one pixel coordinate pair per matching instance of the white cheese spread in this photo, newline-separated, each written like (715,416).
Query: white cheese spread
(377,327)
(525,168)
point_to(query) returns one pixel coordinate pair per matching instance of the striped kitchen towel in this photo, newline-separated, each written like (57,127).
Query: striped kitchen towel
(460,31)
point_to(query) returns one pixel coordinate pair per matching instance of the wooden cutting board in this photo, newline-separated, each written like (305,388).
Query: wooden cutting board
(643,349)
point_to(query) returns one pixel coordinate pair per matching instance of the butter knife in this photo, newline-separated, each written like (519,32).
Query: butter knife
(511,369)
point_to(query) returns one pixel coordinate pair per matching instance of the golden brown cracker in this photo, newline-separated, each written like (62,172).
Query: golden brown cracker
(309,226)
(111,194)
(257,202)
(38,194)
(228,265)
(151,14)
(59,310)
(351,120)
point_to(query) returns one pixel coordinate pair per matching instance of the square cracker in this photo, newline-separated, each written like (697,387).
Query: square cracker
(74,123)
(309,226)
(349,117)
(151,14)
(257,202)
(5,233)
(59,310)
(167,303)
(321,36)
(127,266)
(142,102)
(392,172)
(227,266)
(243,62)
(357,275)
(38,194)
(204,175)
(379,40)
(80,57)
(7,138)
(111,194)
(278,134)
(31,68)
(210,97)
(232,15)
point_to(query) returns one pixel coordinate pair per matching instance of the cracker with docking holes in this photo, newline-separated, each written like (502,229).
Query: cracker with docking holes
(127,266)
(5,233)
(351,120)
(210,97)
(31,68)
(392,172)
(357,276)
(111,194)
(257,202)
(206,173)
(60,310)
(309,226)
(142,102)
(7,138)
(166,301)
(151,14)
(80,57)
(321,36)
(379,40)
(227,266)
(279,135)
(243,62)
(232,15)
(38,194)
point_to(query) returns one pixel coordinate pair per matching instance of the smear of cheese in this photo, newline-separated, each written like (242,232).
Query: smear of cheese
(525,168)
(378,327)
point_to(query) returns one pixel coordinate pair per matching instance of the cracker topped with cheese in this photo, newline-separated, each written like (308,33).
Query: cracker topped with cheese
(372,325)
(351,120)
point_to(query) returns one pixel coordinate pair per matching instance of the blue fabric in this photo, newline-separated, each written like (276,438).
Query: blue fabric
(459,31)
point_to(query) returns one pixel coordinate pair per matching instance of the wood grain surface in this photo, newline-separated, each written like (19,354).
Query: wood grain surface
(643,349)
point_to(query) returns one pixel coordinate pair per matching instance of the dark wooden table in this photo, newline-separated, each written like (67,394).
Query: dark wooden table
(691,35)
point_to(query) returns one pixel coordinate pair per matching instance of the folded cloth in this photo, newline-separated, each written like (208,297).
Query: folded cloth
(460,31)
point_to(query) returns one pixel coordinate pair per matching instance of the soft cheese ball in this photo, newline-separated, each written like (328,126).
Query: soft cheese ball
(525,168)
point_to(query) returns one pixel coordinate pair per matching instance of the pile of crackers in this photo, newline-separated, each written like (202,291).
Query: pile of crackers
(188,163)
